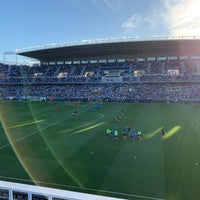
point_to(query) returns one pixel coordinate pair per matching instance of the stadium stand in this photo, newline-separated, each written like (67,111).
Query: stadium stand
(170,81)
(153,71)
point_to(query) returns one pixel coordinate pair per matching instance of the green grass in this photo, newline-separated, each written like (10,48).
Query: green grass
(49,147)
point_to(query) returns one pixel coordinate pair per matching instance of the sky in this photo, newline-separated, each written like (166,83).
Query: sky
(30,23)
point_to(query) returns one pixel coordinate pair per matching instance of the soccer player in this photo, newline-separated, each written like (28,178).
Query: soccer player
(108,132)
(78,103)
(116,134)
(131,131)
(124,132)
(125,128)
(139,133)
(117,118)
(122,111)
(113,133)
(116,127)
(163,131)
(132,136)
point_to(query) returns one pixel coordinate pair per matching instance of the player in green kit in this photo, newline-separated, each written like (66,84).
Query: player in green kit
(116,134)
(108,132)
(139,134)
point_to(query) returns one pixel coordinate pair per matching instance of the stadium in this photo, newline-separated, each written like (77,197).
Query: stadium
(102,119)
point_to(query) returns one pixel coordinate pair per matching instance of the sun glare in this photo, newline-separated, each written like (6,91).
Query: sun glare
(185,18)
(172,132)
(27,123)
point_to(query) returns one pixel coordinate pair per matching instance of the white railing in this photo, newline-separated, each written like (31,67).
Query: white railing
(9,190)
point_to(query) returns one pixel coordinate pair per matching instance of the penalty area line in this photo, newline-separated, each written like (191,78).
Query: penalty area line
(94,120)
(83,188)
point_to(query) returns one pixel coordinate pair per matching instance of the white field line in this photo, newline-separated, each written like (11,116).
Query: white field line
(49,125)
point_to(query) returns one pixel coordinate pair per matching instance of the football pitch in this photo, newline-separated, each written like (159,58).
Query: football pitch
(42,143)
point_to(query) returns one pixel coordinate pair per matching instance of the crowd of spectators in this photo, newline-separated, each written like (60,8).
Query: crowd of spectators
(84,82)
(113,92)
(148,71)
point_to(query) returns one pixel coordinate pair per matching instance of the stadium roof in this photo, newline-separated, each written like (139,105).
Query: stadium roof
(115,49)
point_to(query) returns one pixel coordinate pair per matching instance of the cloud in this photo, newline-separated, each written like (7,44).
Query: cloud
(153,18)
(96,4)
(182,17)
(113,5)
(132,23)
(175,17)
(147,22)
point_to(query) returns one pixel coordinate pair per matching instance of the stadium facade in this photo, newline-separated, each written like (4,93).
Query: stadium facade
(120,50)
(165,70)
